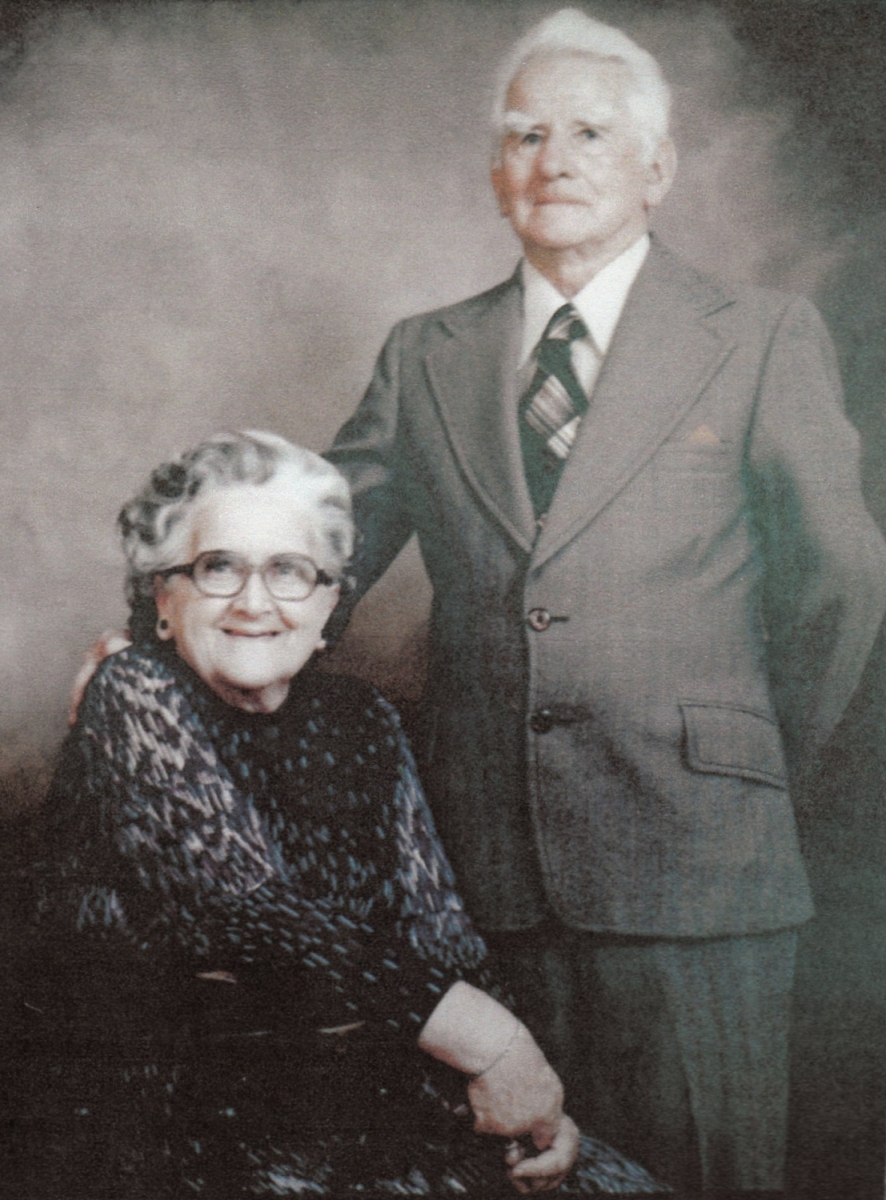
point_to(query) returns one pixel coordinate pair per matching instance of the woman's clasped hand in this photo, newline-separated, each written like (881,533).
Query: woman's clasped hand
(516,1095)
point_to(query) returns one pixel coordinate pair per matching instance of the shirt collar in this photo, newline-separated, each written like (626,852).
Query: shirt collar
(599,303)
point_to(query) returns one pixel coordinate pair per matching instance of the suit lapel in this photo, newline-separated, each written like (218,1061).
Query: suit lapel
(472,377)
(662,356)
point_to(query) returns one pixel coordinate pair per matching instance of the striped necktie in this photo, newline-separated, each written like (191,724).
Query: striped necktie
(552,408)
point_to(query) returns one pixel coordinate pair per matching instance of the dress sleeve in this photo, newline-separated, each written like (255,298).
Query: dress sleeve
(437,942)
(181,860)
(173,858)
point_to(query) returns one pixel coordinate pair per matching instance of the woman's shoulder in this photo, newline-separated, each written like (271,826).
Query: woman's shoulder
(133,685)
(138,664)
(345,723)
(351,699)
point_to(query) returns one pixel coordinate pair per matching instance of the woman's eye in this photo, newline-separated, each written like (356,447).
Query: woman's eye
(292,568)
(589,134)
(530,139)
(217,563)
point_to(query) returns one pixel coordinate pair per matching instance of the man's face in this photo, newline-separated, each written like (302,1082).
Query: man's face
(572,173)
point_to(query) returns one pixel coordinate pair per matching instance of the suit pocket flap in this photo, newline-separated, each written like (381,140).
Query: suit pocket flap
(722,740)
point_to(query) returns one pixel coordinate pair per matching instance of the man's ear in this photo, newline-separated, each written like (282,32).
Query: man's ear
(660,173)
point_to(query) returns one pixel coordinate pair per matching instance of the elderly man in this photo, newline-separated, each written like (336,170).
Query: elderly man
(655,586)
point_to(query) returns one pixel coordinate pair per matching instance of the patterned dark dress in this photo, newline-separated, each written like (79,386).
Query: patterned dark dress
(246,921)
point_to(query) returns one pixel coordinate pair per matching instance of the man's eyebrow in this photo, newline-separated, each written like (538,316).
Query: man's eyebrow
(600,121)
(517,122)
(514,122)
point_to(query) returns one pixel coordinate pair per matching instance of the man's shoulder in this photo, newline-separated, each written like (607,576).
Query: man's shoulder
(463,312)
(712,295)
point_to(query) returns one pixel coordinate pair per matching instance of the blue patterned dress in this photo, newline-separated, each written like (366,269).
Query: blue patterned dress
(249,918)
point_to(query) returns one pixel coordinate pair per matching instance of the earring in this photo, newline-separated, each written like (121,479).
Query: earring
(162,629)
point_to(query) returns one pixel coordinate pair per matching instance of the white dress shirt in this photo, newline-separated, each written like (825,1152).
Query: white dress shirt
(599,303)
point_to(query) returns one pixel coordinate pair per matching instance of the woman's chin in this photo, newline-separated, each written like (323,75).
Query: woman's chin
(252,694)
(250,674)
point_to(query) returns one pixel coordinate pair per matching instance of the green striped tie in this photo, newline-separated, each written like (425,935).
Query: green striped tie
(552,407)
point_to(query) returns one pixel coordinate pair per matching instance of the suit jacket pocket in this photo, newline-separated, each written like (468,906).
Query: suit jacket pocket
(721,739)
(682,456)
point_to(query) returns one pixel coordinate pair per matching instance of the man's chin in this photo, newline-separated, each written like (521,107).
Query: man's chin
(558,231)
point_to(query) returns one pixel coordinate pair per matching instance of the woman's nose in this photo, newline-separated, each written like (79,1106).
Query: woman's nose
(254,598)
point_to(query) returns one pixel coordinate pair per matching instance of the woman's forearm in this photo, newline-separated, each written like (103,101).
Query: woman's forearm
(470,1030)
(513,1089)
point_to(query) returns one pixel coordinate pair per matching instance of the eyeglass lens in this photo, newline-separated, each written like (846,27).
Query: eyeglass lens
(286,576)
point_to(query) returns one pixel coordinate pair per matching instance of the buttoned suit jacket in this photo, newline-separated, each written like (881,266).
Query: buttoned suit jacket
(615,698)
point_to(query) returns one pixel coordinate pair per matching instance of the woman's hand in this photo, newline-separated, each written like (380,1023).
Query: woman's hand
(518,1093)
(546,1171)
(513,1090)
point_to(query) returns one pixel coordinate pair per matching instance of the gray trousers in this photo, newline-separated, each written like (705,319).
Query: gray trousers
(674,1051)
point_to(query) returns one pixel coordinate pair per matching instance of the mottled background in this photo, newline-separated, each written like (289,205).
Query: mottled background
(210,215)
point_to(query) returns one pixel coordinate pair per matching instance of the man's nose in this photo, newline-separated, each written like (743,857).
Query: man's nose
(556,157)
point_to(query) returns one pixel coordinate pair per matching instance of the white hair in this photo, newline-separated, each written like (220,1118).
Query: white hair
(570,31)
(154,524)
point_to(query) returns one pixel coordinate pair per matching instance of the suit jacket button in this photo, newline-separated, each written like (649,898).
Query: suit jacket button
(539,619)
(541,721)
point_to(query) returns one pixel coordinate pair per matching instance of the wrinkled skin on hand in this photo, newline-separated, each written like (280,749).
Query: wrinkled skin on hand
(521,1095)
(546,1171)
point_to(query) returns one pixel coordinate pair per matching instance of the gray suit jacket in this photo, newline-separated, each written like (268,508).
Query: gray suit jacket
(616,699)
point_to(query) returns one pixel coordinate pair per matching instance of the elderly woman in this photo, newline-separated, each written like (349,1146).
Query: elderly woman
(268,984)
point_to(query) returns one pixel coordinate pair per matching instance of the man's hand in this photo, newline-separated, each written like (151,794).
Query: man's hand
(110,642)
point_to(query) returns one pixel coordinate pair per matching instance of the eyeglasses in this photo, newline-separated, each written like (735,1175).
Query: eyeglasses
(223,574)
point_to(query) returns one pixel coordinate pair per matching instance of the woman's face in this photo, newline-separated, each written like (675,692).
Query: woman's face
(247,647)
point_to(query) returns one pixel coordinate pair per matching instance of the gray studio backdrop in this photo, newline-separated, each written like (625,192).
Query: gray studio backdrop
(211,214)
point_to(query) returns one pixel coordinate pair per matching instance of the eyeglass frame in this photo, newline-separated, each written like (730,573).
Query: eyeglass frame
(322,578)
